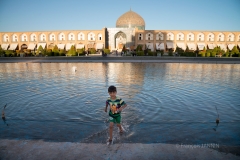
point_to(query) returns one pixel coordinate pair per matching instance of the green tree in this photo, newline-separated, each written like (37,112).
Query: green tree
(1,51)
(187,52)
(215,51)
(55,50)
(72,51)
(203,52)
(139,47)
(208,53)
(179,50)
(227,53)
(62,52)
(40,50)
(235,51)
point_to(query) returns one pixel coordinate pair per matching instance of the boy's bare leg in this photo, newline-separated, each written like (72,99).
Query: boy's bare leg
(110,130)
(120,127)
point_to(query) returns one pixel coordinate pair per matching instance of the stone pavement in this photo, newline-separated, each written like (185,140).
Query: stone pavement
(40,150)
(120,59)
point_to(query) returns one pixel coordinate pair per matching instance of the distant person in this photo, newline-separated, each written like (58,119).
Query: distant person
(87,53)
(122,53)
(116,106)
(103,53)
(134,53)
(145,52)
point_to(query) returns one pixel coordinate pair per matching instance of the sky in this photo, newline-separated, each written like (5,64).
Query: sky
(49,15)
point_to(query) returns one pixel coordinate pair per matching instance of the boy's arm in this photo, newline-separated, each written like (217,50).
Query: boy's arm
(124,106)
(106,107)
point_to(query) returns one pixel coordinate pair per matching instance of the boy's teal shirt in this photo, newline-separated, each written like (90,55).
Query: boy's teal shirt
(114,106)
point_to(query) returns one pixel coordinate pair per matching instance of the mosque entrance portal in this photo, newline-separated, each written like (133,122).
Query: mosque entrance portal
(120,40)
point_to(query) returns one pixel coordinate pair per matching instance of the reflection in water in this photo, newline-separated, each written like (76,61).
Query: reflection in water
(3,115)
(168,103)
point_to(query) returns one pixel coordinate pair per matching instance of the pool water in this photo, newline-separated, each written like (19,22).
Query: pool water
(167,102)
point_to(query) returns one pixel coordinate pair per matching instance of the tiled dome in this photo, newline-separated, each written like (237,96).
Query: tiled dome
(130,19)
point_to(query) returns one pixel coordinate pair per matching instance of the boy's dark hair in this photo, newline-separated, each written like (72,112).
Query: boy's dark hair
(112,89)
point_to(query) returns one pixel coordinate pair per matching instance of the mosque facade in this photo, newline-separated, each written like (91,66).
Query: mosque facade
(129,32)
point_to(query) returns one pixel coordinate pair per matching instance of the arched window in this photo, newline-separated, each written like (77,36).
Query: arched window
(81,36)
(33,37)
(210,37)
(220,37)
(52,37)
(159,36)
(140,36)
(42,37)
(24,38)
(14,38)
(91,36)
(170,36)
(190,37)
(230,37)
(5,38)
(180,36)
(149,36)
(61,37)
(99,37)
(71,37)
(200,37)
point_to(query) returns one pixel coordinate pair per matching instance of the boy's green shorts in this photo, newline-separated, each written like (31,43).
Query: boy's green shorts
(116,119)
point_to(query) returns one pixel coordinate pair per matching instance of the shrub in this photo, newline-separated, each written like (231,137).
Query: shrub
(235,51)
(72,51)
(159,51)
(202,53)
(140,53)
(1,51)
(8,53)
(18,52)
(190,54)
(208,54)
(162,52)
(49,52)
(62,52)
(107,51)
(139,48)
(179,50)
(170,52)
(55,51)
(92,51)
(227,54)
(213,54)
(152,53)
(40,50)
(80,51)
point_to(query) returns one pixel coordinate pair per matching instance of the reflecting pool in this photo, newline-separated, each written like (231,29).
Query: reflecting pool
(167,102)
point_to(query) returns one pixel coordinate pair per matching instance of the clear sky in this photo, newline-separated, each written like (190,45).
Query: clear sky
(48,15)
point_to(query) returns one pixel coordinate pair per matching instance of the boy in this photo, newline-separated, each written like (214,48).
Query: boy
(116,106)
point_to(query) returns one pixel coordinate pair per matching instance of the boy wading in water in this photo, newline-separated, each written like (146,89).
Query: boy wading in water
(116,106)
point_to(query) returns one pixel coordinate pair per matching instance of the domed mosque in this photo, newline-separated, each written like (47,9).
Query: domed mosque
(130,19)
(124,33)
